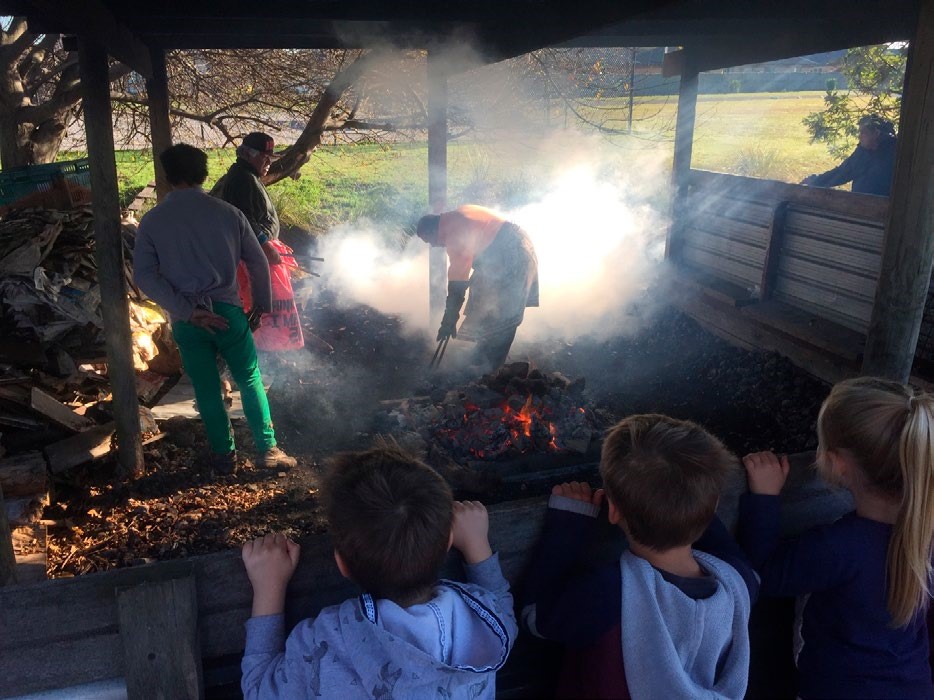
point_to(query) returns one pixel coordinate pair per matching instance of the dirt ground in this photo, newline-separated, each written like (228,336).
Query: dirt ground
(323,403)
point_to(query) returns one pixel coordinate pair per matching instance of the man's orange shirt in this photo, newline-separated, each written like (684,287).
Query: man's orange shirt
(465,233)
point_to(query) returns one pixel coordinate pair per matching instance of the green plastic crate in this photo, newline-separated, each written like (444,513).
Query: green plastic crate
(16,183)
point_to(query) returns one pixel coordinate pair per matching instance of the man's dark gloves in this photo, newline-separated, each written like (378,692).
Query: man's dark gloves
(457,291)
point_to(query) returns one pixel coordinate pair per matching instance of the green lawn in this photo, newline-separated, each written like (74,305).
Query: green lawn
(758,134)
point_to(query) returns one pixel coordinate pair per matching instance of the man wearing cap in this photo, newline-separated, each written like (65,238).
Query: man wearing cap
(504,280)
(241,186)
(185,259)
(871,166)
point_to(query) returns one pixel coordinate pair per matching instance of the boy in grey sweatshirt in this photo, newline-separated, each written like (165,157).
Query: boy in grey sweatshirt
(669,619)
(409,635)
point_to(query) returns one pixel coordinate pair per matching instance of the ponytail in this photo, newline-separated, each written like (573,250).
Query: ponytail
(889,432)
(909,558)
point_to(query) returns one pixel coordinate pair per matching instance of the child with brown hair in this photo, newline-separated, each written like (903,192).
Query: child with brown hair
(669,619)
(392,520)
(867,577)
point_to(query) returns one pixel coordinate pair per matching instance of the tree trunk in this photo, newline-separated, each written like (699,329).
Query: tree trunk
(12,136)
(28,144)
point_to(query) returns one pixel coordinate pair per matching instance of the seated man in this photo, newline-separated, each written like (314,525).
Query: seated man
(871,166)
(504,280)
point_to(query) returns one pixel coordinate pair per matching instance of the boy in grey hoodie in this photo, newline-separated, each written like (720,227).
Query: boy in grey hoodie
(669,619)
(392,520)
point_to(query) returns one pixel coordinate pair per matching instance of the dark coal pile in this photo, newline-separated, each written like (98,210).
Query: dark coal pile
(752,400)
(515,411)
(324,401)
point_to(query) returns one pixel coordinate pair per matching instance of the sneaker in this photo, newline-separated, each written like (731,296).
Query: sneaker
(224,463)
(275,458)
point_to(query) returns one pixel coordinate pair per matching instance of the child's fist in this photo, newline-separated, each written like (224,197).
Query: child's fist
(766,472)
(470,530)
(270,561)
(579,491)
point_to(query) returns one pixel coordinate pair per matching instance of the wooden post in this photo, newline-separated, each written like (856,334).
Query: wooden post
(437,178)
(159,631)
(684,145)
(108,252)
(7,557)
(160,127)
(908,247)
(773,251)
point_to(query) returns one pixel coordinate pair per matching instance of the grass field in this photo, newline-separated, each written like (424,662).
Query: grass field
(759,135)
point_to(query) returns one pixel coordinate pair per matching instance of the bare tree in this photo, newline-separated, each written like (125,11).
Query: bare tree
(40,94)
(216,96)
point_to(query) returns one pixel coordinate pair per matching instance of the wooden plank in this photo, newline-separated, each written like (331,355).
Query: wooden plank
(15,394)
(437,177)
(30,543)
(108,253)
(24,474)
(159,631)
(863,206)
(148,385)
(81,448)
(815,331)
(57,412)
(908,247)
(7,556)
(681,163)
(773,250)
(722,290)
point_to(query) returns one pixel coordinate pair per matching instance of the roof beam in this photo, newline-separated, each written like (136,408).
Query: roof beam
(715,53)
(91,19)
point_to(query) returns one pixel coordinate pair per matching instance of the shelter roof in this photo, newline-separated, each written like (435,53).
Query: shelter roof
(497,28)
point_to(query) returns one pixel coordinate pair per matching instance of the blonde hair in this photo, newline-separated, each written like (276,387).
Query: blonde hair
(888,431)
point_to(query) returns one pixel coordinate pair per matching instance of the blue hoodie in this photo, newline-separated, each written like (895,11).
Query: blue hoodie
(449,647)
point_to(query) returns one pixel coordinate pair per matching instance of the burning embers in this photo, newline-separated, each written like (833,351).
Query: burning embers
(515,411)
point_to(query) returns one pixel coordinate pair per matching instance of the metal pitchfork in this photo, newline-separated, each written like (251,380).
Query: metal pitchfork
(439,353)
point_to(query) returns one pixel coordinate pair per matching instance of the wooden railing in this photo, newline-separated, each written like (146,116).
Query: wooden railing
(176,628)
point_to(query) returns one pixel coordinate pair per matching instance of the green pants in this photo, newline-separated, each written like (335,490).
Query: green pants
(199,348)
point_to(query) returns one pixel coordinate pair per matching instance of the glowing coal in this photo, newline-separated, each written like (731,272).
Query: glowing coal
(516,411)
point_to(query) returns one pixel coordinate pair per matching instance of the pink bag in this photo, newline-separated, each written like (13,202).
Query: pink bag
(281,329)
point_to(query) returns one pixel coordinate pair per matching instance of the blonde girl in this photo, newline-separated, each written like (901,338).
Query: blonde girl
(866,577)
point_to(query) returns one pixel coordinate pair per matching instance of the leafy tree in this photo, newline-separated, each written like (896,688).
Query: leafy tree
(875,76)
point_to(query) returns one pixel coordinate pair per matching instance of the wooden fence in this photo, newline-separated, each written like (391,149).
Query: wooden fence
(176,629)
(782,266)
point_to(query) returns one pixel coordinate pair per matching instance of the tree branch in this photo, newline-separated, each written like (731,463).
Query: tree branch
(296,155)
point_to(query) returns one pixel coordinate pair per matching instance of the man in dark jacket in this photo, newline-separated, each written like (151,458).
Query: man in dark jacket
(241,186)
(871,166)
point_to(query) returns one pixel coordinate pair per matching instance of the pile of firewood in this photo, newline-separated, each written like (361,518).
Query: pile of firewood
(54,391)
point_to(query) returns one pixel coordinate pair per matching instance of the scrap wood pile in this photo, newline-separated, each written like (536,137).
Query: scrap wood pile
(54,391)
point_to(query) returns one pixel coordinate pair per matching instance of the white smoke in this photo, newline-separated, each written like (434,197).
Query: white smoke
(592,212)
(599,245)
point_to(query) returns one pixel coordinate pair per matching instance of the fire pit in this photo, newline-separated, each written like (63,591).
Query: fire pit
(513,413)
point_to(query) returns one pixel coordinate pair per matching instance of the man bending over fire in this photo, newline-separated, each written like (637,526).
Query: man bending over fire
(503,284)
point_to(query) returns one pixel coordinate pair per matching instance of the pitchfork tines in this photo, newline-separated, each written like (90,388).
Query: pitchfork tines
(439,353)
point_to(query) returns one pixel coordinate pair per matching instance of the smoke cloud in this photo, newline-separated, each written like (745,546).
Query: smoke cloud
(592,208)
